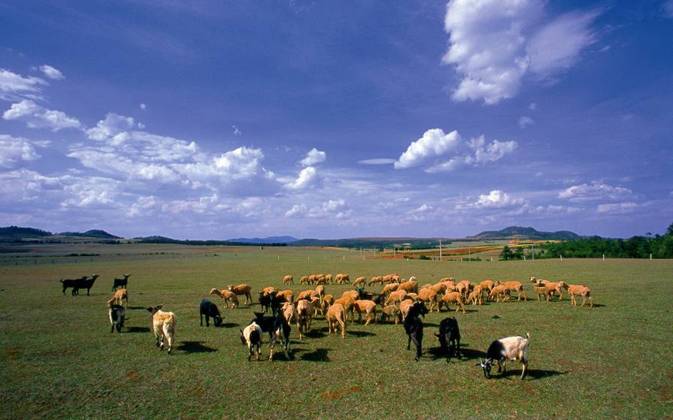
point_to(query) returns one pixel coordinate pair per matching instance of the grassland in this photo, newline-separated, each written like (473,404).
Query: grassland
(58,359)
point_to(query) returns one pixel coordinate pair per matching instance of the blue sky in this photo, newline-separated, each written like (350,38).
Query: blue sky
(336,119)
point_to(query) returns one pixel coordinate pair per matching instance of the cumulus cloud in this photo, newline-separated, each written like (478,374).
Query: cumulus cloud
(307,177)
(497,199)
(337,209)
(143,106)
(433,143)
(242,162)
(480,153)
(313,157)
(493,44)
(15,149)
(594,192)
(14,86)
(51,72)
(36,116)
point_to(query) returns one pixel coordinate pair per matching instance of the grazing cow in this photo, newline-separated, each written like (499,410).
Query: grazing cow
(209,309)
(242,290)
(287,279)
(116,315)
(336,316)
(267,301)
(278,329)
(449,337)
(251,336)
(163,326)
(122,282)
(413,326)
(508,348)
(84,283)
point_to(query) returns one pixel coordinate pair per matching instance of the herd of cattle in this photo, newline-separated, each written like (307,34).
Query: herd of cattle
(399,300)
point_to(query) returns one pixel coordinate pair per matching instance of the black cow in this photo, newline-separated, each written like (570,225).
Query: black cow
(84,283)
(413,326)
(123,282)
(71,283)
(209,309)
(449,337)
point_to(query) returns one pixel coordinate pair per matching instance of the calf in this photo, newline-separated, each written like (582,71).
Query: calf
(163,326)
(251,336)
(449,337)
(116,315)
(209,309)
(122,282)
(413,326)
(508,348)
(84,283)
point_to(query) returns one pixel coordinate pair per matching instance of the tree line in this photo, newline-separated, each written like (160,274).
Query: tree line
(658,246)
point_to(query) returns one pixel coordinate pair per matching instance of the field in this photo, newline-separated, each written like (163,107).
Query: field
(58,358)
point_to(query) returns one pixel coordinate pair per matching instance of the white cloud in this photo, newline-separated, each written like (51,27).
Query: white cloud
(525,121)
(112,125)
(306,178)
(496,150)
(532,106)
(557,45)
(594,191)
(25,185)
(491,46)
(236,130)
(481,154)
(313,157)
(37,116)
(91,192)
(51,72)
(336,209)
(15,149)
(242,162)
(14,86)
(497,199)
(433,143)
(143,106)
(377,161)
(617,208)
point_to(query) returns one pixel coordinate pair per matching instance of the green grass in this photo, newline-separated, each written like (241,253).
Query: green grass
(58,359)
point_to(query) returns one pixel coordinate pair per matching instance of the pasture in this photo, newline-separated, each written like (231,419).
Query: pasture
(58,358)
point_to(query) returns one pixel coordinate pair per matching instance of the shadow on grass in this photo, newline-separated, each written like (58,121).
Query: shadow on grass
(137,308)
(228,325)
(360,333)
(530,373)
(138,329)
(316,333)
(464,354)
(317,355)
(194,347)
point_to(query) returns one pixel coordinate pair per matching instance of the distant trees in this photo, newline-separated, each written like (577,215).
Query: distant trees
(660,246)
(509,254)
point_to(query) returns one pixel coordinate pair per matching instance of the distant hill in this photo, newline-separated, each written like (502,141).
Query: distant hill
(266,240)
(514,232)
(93,233)
(28,234)
(15,233)
(413,243)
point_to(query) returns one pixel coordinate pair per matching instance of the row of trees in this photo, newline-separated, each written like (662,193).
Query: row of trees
(659,246)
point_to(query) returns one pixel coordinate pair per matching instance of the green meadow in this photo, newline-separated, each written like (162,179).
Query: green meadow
(59,359)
